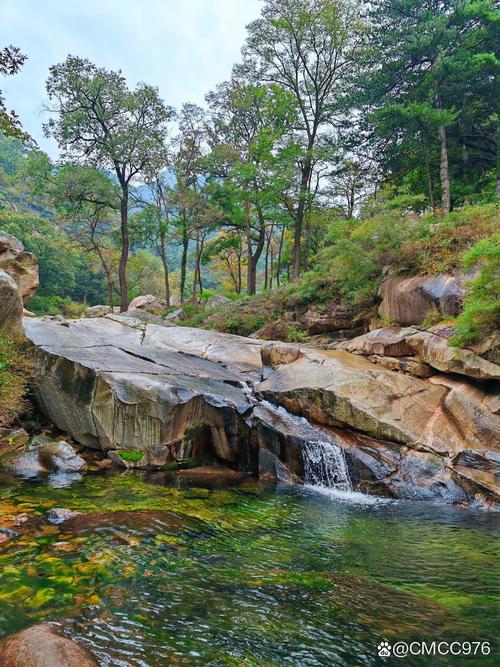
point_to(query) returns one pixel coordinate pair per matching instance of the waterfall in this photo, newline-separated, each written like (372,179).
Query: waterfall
(325,465)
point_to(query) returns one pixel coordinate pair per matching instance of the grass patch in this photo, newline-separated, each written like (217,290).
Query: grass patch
(130,455)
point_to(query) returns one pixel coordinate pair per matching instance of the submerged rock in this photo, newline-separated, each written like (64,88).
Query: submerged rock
(40,646)
(58,515)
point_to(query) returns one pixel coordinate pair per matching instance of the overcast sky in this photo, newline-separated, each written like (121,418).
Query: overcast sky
(185,47)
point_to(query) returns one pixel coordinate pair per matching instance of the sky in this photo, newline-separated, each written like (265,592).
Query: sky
(185,47)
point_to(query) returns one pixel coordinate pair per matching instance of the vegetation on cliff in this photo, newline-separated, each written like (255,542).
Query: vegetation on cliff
(352,141)
(15,371)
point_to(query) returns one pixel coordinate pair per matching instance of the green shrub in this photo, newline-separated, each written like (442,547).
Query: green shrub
(55,305)
(15,371)
(481,313)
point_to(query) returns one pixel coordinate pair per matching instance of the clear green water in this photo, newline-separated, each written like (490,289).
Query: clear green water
(247,575)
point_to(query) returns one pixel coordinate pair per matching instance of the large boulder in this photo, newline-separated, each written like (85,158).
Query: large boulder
(152,304)
(40,646)
(239,353)
(332,318)
(217,300)
(337,388)
(18,263)
(106,384)
(401,436)
(431,347)
(100,310)
(412,300)
(11,306)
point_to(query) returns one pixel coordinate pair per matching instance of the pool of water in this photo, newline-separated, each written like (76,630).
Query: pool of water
(246,575)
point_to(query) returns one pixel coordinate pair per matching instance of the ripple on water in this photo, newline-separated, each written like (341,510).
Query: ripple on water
(152,575)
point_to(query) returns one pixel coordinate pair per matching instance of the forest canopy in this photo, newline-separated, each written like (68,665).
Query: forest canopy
(346,130)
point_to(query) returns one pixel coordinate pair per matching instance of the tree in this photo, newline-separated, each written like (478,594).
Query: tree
(188,171)
(102,123)
(249,147)
(428,60)
(11,61)
(307,47)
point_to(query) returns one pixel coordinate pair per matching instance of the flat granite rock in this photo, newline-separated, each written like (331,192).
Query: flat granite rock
(98,380)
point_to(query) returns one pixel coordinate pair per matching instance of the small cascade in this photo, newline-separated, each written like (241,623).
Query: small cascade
(325,465)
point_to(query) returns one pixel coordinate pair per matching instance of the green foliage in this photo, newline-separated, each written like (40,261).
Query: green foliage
(55,305)
(15,373)
(130,455)
(481,313)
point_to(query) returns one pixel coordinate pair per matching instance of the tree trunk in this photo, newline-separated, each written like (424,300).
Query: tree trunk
(299,218)
(122,267)
(430,180)
(185,244)
(444,172)
(166,276)
(253,257)
(196,268)
(280,251)
(307,249)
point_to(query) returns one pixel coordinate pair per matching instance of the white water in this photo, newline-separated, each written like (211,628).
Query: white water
(325,465)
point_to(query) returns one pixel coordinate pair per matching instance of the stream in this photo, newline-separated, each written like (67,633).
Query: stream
(163,571)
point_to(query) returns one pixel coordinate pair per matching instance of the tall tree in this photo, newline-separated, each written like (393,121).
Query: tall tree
(249,149)
(11,61)
(101,122)
(424,55)
(188,170)
(307,47)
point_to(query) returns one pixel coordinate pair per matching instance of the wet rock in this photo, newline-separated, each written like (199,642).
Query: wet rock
(11,306)
(19,264)
(152,304)
(40,646)
(42,456)
(58,515)
(271,468)
(412,300)
(98,311)
(60,457)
